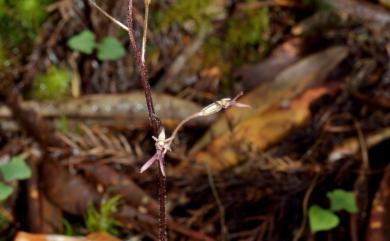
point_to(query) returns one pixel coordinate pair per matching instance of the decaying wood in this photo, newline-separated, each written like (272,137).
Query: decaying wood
(32,123)
(69,192)
(127,110)
(123,185)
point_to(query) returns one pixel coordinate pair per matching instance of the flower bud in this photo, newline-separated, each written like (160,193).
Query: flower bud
(214,107)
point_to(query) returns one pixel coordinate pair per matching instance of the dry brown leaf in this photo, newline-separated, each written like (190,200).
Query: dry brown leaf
(259,131)
(287,53)
(308,72)
(101,237)
(351,146)
(373,16)
(22,236)
(385,3)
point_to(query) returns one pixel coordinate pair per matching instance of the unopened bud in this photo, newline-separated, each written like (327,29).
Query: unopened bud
(214,107)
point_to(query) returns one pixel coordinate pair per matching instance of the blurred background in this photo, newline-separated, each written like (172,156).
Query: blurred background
(309,160)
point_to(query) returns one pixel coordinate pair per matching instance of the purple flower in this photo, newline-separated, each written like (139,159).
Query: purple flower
(162,146)
(159,155)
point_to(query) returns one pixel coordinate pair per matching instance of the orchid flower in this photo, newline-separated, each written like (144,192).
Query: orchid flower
(163,144)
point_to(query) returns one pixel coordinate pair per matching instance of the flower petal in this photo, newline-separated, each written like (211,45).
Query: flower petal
(149,163)
(241,105)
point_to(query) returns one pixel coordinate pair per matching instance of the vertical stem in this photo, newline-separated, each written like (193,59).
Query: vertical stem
(162,196)
(154,120)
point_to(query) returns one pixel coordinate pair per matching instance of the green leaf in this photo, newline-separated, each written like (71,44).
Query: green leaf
(110,49)
(5,191)
(103,220)
(16,169)
(68,229)
(322,219)
(83,42)
(342,200)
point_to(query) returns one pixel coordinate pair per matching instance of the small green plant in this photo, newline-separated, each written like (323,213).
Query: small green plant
(62,124)
(109,48)
(68,229)
(52,85)
(15,169)
(102,220)
(322,219)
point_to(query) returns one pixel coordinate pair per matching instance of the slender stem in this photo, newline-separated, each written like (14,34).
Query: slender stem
(224,229)
(154,120)
(93,3)
(145,35)
(305,204)
(162,197)
(180,125)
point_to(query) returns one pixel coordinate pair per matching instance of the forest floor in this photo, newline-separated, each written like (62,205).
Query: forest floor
(308,161)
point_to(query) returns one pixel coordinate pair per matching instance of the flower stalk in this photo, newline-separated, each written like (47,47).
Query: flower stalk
(163,144)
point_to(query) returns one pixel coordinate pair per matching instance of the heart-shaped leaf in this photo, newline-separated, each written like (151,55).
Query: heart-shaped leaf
(322,219)
(110,49)
(83,42)
(16,169)
(5,191)
(342,200)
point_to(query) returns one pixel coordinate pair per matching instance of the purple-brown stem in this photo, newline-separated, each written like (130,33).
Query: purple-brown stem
(162,196)
(141,67)
(154,120)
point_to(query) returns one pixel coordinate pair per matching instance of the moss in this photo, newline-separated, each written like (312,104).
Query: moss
(31,13)
(52,85)
(190,14)
(245,32)
(248,28)
(20,20)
